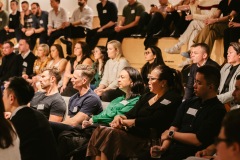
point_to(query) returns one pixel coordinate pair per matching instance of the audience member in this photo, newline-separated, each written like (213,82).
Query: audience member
(200,11)
(101,57)
(35,134)
(153,111)
(82,53)
(79,24)
(12,28)
(130,82)
(28,23)
(108,15)
(49,103)
(229,72)
(41,28)
(58,61)
(107,88)
(232,33)
(200,57)
(57,19)
(153,56)
(216,24)
(9,141)
(25,59)
(8,68)
(198,120)
(3,22)
(129,21)
(83,104)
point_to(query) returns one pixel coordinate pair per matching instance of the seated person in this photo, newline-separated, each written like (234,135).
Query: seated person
(107,88)
(129,133)
(130,82)
(198,120)
(229,72)
(49,103)
(83,104)
(82,56)
(101,57)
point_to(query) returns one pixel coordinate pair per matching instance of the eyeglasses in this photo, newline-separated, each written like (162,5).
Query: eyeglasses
(147,52)
(218,140)
(150,78)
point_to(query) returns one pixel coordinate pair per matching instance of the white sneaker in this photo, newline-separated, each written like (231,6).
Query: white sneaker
(184,63)
(173,50)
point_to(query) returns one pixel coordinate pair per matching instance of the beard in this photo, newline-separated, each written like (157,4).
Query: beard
(80,4)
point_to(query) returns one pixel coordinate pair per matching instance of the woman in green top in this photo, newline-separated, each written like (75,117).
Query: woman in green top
(101,57)
(130,82)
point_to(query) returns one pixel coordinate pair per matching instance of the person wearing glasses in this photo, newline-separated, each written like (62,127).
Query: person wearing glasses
(153,56)
(130,132)
(198,120)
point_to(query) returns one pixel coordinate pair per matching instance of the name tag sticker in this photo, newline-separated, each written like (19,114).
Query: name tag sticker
(40,107)
(165,102)
(75,109)
(132,11)
(124,102)
(24,64)
(41,21)
(10,19)
(37,67)
(0,19)
(104,11)
(29,20)
(192,111)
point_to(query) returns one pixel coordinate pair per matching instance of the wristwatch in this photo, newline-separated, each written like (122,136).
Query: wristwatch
(171,134)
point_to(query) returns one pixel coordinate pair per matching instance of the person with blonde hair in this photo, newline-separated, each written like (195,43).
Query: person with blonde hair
(107,88)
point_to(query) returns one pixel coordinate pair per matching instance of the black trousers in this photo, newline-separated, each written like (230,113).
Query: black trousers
(55,35)
(93,36)
(7,36)
(111,94)
(122,34)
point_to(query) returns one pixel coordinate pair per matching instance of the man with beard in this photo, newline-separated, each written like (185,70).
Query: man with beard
(41,27)
(50,102)
(80,23)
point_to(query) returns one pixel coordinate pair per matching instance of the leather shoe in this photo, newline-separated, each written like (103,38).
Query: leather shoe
(175,34)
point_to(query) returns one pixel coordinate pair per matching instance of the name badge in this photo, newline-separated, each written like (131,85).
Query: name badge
(124,102)
(40,107)
(0,19)
(24,64)
(75,109)
(132,11)
(165,102)
(10,19)
(37,67)
(104,11)
(41,21)
(192,111)
(29,20)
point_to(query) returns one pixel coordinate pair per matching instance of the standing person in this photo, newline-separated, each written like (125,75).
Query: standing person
(34,131)
(79,24)
(41,27)
(129,21)
(57,19)
(107,88)
(12,28)
(108,15)
(25,59)
(49,103)
(9,140)
(216,24)
(153,112)
(197,121)
(8,68)
(82,56)
(229,72)
(3,22)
